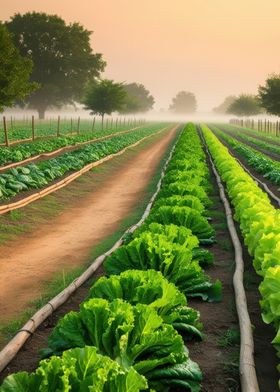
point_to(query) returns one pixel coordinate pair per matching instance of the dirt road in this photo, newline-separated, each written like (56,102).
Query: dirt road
(67,242)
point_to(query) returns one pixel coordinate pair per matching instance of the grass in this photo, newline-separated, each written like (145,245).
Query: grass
(53,287)
(231,366)
(225,244)
(230,338)
(250,280)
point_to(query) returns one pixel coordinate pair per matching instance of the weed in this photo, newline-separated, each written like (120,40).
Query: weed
(231,366)
(230,338)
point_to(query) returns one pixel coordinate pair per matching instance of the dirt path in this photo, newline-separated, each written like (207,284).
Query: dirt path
(67,242)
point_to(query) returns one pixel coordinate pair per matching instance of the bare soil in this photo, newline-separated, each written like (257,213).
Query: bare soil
(67,240)
(265,356)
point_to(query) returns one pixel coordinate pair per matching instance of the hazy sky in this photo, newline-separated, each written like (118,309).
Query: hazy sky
(213,48)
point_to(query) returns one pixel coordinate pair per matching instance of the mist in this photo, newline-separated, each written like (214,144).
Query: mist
(213,49)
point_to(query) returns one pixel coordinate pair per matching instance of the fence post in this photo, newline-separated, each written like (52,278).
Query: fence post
(78,130)
(71,125)
(33,129)
(58,126)
(93,123)
(5,131)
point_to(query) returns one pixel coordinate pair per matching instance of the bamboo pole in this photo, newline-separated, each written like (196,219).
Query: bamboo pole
(61,184)
(248,377)
(49,154)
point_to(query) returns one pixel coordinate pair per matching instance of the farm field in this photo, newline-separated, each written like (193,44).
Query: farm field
(167,288)
(21,130)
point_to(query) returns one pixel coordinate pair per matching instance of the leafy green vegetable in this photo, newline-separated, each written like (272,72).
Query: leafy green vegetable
(151,288)
(133,335)
(80,369)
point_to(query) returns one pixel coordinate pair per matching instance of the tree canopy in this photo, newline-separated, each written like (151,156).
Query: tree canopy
(139,99)
(15,72)
(184,102)
(105,97)
(63,61)
(223,107)
(245,105)
(269,94)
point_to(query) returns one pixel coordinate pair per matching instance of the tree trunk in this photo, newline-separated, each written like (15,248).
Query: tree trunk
(41,112)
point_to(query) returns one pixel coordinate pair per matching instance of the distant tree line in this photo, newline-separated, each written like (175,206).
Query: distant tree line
(45,63)
(48,63)
(267,100)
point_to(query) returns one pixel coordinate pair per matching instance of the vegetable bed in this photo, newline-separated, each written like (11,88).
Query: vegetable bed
(260,225)
(37,176)
(128,334)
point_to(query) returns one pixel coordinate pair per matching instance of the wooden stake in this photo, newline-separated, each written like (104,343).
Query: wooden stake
(33,129)
(78,128)
(58,126)
(5,131)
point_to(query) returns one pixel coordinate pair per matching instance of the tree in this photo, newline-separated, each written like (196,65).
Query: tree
(245,105)
(14,72)
(223,107)
(105,97)
(270,94)
(139,99)
(62,57)
(184,102)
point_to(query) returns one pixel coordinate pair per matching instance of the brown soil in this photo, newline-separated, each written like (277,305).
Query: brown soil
(217,318)
(265,355)
(66,241)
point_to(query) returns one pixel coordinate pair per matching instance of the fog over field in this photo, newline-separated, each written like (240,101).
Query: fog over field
(212,48)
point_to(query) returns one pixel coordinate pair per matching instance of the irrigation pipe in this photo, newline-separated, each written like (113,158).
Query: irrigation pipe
(15,344)
(62,149)
(61,184)
(247,370)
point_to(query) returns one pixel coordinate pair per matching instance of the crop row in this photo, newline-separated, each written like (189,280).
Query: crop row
(259,143)
(260,226)
(39,175)
(19,130)
(19,152)
(260,134)
(127,334)
(264,165)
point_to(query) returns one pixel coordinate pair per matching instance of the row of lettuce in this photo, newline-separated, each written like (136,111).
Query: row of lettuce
(36,176)
(261,163)
(19,152)
(260,226)
(128,334)
(269,139)
(267,145)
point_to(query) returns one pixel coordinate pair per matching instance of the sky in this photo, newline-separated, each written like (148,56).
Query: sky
(212,48)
